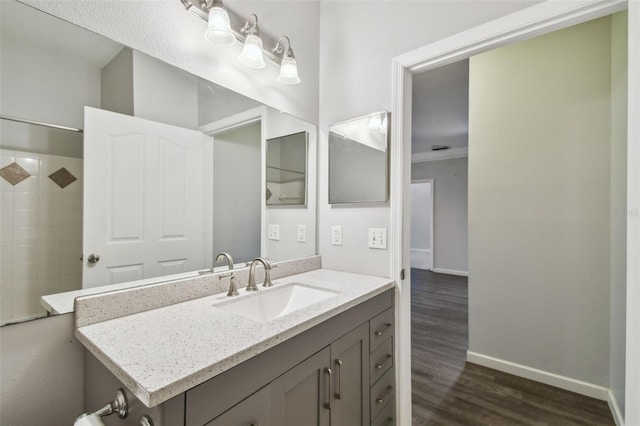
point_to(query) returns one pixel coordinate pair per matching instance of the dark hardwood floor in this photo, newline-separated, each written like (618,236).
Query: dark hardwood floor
(449,391)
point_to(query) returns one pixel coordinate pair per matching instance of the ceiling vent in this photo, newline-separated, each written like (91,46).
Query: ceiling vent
(439,147)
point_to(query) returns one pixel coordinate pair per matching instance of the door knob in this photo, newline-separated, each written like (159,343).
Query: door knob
(93,258)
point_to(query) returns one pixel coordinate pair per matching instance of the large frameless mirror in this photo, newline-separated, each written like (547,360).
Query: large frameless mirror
(359,160)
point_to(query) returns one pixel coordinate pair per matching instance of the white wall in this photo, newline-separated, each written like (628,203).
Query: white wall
(358,41)
(41,373)
(450,192)
(289,217)
(237,188)
(116,83)
(539,189)
(618,206)
(55,93)
(166,31)
(164,93)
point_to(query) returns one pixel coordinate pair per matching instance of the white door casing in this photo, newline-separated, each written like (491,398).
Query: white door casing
(143,198)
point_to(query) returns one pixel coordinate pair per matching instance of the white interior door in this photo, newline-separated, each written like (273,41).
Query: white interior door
(143,198)
(422,225)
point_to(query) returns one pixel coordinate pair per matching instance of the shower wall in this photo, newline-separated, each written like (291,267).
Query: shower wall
(41,230)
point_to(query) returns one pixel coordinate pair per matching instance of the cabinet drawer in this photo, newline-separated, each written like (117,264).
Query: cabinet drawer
(382,393)
(380,328)
(387,416)
(255,410)
(381,360)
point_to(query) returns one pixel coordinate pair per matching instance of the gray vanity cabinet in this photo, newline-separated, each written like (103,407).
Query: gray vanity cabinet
(338,373)
(301,396)
(350,370)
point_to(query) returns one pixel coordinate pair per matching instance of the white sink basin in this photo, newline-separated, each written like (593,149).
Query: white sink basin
(268,304)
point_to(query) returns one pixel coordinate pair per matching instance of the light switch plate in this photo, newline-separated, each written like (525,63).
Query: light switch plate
(378,238)
(336,235)
(302,233)
(274,232)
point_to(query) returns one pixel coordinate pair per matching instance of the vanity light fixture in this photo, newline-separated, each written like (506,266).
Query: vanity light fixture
(288,66)
(225,27)
(251,54)
(219,28)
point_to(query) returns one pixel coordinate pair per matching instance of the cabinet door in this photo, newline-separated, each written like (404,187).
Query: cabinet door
(253,411)
(302,395)
(350,365)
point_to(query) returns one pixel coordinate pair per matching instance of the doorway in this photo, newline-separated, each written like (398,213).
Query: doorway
(422,225)
(468,43)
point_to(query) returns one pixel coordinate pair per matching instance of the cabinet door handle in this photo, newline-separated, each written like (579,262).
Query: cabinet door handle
(380,399)
(327,404)
(338,394)
(386,328)
(383,362)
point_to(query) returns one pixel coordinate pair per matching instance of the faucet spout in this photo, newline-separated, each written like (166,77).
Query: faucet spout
(233,290)
(252,273)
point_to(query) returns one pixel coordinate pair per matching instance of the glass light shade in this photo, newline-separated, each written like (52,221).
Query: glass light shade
(251,54)
(288,71)
(219,28)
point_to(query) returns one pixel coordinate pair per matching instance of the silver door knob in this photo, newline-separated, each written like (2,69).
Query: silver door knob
(93,258)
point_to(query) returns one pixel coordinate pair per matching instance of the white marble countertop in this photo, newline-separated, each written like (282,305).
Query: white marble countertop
(163,352)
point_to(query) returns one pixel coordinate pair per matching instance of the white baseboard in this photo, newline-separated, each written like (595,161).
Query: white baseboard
(615,409)
(421,258)
(562,382)
(451,272)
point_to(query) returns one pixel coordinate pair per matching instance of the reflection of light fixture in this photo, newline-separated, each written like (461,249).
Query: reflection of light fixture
(251,54)
(288,67)
(219,27)
(224,27)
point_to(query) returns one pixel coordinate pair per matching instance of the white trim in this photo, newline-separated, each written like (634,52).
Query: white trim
(451,272)
(447,154)
(562,382)
(421,259)
(234,121)
(615,409)
(528,23)
(632,373)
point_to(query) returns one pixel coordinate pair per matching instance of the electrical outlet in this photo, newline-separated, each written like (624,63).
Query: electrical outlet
(274,232)
(302,233)
(378,238)
(336,235)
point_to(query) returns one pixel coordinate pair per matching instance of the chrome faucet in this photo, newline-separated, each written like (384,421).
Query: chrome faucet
(252,274)
(233,290)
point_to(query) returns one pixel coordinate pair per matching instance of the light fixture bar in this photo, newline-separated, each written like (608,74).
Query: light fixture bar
(237,23)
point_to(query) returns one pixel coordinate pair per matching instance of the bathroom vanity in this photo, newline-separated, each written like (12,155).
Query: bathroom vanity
(209,361)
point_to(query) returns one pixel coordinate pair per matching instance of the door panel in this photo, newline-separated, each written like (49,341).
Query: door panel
(299,396)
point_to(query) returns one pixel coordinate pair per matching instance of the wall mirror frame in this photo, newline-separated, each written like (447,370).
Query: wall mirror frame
(56,93)
(359,159)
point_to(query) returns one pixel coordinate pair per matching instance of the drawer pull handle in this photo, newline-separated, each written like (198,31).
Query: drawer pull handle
(383,362)
(386,328)
(338,394)
(389,421)
(381,398)
(327,404)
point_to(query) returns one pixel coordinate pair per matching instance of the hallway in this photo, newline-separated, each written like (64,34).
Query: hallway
(448,391)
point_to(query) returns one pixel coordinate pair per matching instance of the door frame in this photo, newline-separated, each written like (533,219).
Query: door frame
(536,20)
(431,218)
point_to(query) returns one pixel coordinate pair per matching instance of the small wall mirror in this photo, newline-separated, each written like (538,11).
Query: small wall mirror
(287,170)
(359,160)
